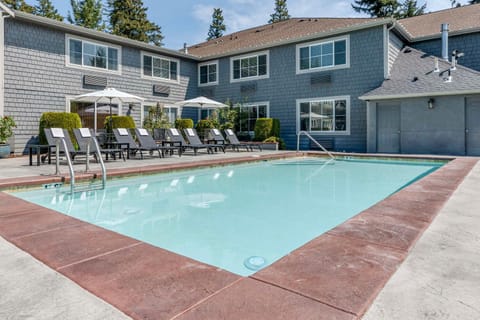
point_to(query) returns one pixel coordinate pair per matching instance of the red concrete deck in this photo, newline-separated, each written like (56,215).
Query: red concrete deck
(335,276)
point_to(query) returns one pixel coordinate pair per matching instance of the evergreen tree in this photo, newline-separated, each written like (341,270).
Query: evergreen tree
(376,8)
(217,27)
(20,5)
(45,8)
(281,12)
(87,13)
(128,18)
(410,9)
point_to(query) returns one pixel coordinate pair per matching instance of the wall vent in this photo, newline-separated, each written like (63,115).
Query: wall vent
(323,78)
(94,81)
(251,87)
(161,90)
(209,93)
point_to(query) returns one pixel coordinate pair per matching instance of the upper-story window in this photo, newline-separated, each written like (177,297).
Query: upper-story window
(249,67)
(160,67)
(329,54)
(92,54)
(208,73)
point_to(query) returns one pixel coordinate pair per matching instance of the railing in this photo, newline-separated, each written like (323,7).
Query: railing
(299,133)
(70,163)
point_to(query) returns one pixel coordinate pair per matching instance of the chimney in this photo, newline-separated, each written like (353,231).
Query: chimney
(185,49)
(444,31)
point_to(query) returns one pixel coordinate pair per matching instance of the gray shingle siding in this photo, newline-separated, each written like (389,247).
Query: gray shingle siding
(284,87)
(37,79)
(468,44)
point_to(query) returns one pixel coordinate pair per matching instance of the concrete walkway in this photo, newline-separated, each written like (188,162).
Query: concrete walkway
(440,279)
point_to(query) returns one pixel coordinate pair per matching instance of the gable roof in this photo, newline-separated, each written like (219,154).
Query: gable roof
(413,76)
(464,19)
(279,33)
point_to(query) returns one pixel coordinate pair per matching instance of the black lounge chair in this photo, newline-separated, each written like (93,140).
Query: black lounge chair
(123,136)
(53,134)
(194,141)
(85,135)
(175,137)
(216,136)
(235,143)
(146,141)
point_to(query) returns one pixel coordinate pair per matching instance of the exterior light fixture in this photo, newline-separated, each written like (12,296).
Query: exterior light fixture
(430,103)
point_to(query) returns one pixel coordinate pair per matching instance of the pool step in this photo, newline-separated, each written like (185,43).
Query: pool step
(95,185)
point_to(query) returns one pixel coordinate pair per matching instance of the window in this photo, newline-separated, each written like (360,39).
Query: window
(160,67)
(208,73)
(321,55)
(89,54)
(248,115)
(249,67)
(324,115)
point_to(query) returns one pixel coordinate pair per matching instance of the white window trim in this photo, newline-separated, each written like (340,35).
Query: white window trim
(319,69)
(256,104)
(76,66)
(153,103)
(215,62)
(145,53)
(326,133)
(250,55)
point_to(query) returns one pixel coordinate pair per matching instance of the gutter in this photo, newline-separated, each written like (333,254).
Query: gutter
(418,95)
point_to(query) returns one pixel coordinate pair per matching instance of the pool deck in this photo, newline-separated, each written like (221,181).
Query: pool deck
(338,275)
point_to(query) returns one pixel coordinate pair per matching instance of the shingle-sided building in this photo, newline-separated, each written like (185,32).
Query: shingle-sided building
(352,83)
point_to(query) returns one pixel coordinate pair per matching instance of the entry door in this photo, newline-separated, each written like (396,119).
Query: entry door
(388,128)
(472,114)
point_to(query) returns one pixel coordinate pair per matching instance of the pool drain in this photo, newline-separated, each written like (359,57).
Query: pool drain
(255,262)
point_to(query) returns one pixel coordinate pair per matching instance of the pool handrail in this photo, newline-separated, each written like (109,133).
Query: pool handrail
(299,133)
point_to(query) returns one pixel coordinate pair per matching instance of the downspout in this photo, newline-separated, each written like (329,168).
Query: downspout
(386,40)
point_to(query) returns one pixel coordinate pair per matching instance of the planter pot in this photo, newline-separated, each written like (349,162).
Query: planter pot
(4,150)
(270,146)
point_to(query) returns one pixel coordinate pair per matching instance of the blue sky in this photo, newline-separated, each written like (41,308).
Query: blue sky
(188,20)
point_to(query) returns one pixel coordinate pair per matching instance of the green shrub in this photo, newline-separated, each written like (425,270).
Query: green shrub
(181,124)
(203,126)
(119,122)
(276,128)
(273,139)
(263,128)
(156,118)
(64,120)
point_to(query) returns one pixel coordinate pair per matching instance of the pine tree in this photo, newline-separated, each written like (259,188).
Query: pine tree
(87,13)
(281,12)
(217,27)
(20,5)
(376,8)
(45,8)
(128,18)
(410,9)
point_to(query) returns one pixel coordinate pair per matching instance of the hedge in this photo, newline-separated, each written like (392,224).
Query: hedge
(263,129)
(64,120)
(181,124)
(119,122)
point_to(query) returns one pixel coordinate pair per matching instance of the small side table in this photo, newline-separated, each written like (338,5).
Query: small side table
(38,148)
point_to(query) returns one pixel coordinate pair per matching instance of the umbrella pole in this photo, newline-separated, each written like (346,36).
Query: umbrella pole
(110,122)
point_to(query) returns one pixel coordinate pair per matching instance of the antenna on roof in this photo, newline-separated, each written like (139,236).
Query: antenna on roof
(437,69)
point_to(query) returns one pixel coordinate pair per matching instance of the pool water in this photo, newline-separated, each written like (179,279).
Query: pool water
(240,218)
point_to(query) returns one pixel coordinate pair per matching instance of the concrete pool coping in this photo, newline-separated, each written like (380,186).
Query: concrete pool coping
(336,275)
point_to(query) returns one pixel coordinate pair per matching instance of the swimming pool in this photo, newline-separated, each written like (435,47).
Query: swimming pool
(240,218)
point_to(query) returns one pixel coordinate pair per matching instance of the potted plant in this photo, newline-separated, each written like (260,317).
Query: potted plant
(6,126)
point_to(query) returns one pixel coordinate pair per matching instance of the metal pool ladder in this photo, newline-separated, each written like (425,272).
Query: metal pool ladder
(299,133)
(84,187)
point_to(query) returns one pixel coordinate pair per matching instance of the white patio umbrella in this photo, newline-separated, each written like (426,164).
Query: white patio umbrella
(201,103)
(104,109)
(108,95)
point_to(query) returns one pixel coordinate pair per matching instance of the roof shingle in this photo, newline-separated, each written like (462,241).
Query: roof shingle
(413,76)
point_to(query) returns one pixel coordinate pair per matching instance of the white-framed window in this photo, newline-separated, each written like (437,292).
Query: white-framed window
(249,113)
(248,67)
(170,111)
(89,54)
(159,67)
(328,54)
(326,115)
(208,73)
